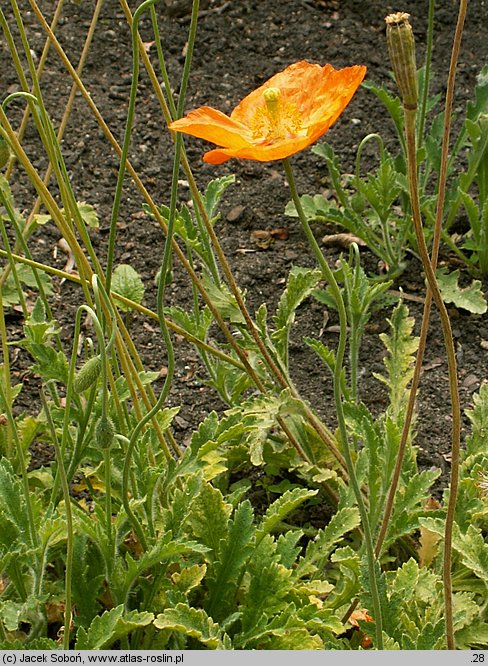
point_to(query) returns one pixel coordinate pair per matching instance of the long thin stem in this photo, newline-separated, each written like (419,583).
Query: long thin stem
(329,276)
(452,368)
(428,298)
(69,523)
(428,61)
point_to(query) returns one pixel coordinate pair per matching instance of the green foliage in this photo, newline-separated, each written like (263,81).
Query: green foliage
(28,278)
(127,282)
(194,623)
(110,627)
(399,362)
(469,298)
(245,533)
(364,207)
(301,283)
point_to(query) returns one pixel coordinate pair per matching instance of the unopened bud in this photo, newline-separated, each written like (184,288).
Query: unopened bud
(87,374)
(4,152)
(401,46)
(104,432)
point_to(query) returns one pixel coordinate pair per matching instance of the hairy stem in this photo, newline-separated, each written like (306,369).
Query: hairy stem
(329,276)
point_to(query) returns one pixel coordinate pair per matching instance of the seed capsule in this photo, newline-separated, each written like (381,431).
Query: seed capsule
(401,46)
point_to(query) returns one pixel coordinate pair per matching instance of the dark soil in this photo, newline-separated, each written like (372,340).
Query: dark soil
(239,45)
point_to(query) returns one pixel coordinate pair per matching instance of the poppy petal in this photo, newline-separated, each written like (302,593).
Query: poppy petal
(214,126)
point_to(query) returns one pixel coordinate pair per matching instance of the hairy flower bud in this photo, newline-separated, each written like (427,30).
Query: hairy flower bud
(401,47)
(4,152)
(87,374)
(104,432)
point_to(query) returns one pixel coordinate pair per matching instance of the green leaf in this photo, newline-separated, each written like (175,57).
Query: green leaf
(213,193)
(480,105)
(223,576)
(393,104)
(281,508)
(34,644)
(192,622)
(258,416)
(270,583)
(410,502)
(145,377)
(49,363)
(14,521)
(127,282)
(110,627)
(223,300)
(209,519)
(470,298)
(399,363)
(88,214)
(301,283)
(26,277)
(319,549)
(87,582)
(478,415)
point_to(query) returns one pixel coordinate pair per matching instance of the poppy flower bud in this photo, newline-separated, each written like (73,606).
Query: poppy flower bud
(358,203)
(87,374)
(4,152)
(104,432)
(401,46)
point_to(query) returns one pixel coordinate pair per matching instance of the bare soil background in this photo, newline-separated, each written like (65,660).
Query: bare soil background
(239,45)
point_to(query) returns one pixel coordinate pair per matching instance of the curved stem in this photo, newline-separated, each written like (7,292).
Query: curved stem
(329,276)
(126,142)
(69,523)
(166,263)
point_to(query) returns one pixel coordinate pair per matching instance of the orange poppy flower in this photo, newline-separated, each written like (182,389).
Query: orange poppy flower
(283,116)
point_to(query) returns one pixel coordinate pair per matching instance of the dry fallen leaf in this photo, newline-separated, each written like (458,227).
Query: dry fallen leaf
(261,238)
(70,263)
(343,240)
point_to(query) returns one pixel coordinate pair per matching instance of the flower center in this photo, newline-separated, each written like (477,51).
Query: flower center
(276,119)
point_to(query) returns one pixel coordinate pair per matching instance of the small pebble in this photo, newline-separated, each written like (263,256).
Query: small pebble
(235,214)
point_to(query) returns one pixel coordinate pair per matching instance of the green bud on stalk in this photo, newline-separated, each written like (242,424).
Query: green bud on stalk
(4,152)
(104,432)
(401,47)
(87,374)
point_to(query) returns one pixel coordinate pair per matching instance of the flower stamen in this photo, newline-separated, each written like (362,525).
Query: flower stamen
(275,120)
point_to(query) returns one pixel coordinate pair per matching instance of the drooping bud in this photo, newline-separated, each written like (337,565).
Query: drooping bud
(87,374)
(401,47)
(4,152)
(104,432)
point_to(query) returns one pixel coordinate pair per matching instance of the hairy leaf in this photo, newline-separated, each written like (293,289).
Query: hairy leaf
(281,508)
(127,282)
(318,551)
(399,362)
(192,622)
(235,549)
(469,298)
(209,519)
(301,283)
(110,627)
(478,415)
(213,193)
